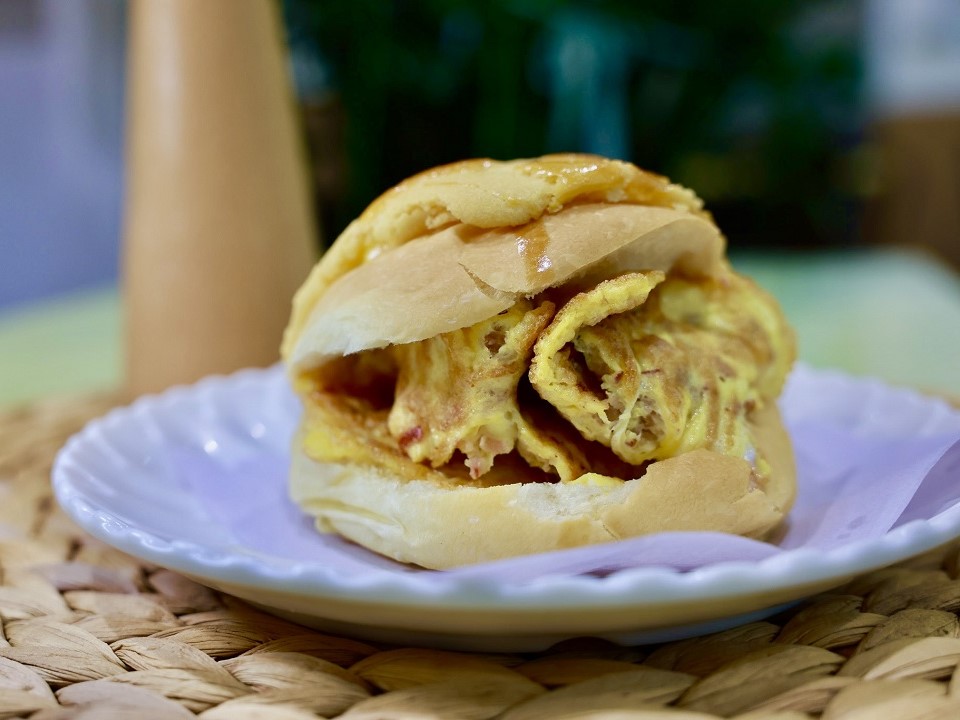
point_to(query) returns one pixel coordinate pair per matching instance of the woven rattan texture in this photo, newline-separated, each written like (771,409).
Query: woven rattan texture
(90,632)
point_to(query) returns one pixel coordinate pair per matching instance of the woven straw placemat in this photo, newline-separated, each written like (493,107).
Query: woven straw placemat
(90,632)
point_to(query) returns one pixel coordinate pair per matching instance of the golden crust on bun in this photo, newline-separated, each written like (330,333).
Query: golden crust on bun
(502,358)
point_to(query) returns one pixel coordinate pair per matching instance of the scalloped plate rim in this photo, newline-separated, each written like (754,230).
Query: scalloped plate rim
(649,586)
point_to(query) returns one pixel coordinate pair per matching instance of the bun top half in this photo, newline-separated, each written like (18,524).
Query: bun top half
(460,243)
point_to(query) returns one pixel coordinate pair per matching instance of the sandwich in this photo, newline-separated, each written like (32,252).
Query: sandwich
(505,358)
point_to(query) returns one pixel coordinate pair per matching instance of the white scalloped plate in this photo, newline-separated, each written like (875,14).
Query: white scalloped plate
(195,480)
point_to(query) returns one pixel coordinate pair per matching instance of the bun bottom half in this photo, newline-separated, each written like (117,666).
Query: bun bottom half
(441,524)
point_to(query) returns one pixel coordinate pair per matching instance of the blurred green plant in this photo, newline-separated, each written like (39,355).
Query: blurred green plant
(755,103)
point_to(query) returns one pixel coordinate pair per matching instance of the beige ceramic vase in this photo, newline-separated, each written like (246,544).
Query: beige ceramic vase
(219,231)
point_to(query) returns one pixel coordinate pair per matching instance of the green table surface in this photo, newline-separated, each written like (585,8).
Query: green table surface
(887,313)
(61,346)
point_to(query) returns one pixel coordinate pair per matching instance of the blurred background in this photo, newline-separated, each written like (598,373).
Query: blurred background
(758,105)
(824,136)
